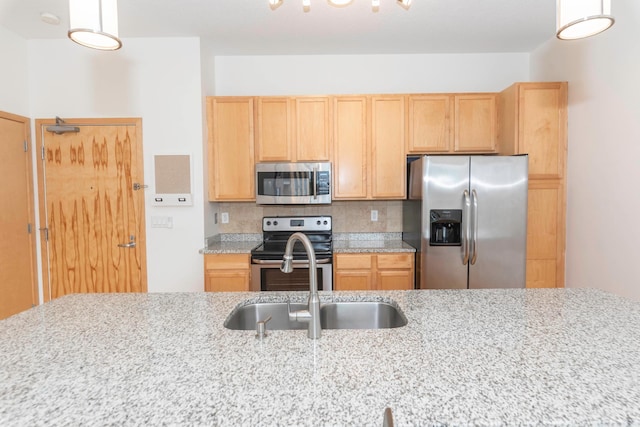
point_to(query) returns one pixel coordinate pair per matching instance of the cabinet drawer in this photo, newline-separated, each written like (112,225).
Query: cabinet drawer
(353,261)
(395,261)
(226,261)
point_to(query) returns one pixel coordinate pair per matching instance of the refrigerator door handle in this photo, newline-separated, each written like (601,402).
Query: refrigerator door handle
(465,223)
(474,215)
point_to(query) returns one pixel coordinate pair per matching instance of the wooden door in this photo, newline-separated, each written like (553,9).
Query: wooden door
(18,277)
(93,207)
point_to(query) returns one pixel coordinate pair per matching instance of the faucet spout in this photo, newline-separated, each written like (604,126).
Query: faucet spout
(312,314)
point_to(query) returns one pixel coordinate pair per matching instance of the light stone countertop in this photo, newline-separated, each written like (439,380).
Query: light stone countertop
(342,243)
(562,357)
(231,243)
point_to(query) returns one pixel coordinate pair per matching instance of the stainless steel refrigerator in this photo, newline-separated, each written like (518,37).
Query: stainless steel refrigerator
(467,218)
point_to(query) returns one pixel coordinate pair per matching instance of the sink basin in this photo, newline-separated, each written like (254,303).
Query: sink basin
(333,315)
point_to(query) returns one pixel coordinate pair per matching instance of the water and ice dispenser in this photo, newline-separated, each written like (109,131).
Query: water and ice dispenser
(445,227)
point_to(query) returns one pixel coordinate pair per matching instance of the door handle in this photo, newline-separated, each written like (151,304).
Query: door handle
(131,244)
(474,214)
(465,223)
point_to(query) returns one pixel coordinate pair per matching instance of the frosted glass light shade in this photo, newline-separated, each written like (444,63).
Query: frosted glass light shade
(339,3)
(94,23)
(578,19)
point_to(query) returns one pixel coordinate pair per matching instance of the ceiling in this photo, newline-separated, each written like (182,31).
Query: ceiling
(250,27)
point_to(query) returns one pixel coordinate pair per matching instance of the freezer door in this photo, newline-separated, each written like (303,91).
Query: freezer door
(445,181)
(498,220)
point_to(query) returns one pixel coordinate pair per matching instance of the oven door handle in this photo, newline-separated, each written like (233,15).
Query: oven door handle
(279,261)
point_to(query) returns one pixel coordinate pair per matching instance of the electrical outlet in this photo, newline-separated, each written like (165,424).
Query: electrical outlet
(225,217)
(374,215)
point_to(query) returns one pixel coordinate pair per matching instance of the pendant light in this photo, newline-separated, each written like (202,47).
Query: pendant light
(94,23)
(577,19)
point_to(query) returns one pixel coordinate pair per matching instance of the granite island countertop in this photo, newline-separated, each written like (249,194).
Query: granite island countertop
(560,357)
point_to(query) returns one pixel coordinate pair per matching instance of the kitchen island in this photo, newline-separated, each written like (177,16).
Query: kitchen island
(560,357)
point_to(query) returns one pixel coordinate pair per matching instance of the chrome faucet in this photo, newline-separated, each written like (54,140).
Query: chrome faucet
(312,314)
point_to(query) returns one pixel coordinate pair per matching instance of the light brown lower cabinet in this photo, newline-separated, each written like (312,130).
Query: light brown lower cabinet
(373,271)
(226,272)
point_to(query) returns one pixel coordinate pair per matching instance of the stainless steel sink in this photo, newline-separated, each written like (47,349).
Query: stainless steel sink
(333,315)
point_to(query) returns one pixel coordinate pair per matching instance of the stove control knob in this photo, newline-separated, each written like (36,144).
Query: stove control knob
(326,222)
(275,222)
(268,222)
(318,222)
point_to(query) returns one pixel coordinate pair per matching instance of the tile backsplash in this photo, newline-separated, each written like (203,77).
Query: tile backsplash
(348,217)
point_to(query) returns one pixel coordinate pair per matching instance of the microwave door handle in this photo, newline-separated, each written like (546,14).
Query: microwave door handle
(313,182)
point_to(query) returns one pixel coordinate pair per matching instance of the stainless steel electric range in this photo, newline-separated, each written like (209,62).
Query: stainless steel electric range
(267,257)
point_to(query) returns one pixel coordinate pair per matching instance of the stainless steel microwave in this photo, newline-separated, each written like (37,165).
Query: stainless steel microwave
(293,183)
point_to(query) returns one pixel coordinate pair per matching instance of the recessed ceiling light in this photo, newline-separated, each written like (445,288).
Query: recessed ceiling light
(49,18)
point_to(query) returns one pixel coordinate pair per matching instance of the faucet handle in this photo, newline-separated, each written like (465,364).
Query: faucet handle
(261,328)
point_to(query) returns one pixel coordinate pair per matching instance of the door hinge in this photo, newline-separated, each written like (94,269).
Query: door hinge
(29,228)
(26,147)
(137,186)
(42,152)
(46,233)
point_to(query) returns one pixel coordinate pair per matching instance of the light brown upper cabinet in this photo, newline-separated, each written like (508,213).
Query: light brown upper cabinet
(292,129)
(368,147)
(388,162)
(475,123)
(230,151)
(429,129)
(451,123)
(350,147)
(533,121)
(313,128)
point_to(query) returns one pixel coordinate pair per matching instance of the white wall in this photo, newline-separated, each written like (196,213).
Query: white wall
(14,91)
(357,74)
(603,200)
(159,81)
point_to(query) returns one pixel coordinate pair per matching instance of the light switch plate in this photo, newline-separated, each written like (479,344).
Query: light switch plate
(374,215)
(161,222)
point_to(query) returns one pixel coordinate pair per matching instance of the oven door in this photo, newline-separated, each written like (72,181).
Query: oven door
(266,276)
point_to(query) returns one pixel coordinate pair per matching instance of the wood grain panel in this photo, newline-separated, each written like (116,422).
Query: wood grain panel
(313,128)
(429,129)
(389,280)
(350,142)
(273,138)
(231,149)
(353,280)
(395,260)
(91,207)
(353,261)
(475,123)
(387,147)
(542,222)
(542,128)
(541,273)
(18,276)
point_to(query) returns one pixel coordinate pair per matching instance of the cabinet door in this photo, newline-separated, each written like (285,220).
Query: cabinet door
(475,123)
(226,281)
(353,280)
(226,272)
(312,129)
(429,124)
(273,130)
(387,147)
(391,280)
(230,143)
(545,234)
(350,141)
(395,271)
(542,123)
